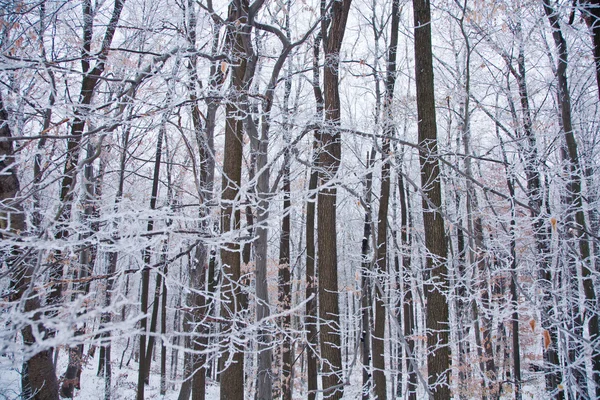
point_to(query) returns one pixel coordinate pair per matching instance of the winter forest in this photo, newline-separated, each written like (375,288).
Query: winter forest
(299,199)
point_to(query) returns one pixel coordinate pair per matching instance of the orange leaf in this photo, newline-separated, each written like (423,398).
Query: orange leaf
(547,339)
(532,325)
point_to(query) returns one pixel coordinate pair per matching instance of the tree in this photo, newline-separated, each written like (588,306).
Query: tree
(380,387)
(436,286)
(329,161)
(39,376)
(590,312)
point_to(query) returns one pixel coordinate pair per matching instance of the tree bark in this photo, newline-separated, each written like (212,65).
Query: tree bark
(329,162)
(436,286)
(311,279)
(379,378)
(39,375)
(232,376)
(365,282)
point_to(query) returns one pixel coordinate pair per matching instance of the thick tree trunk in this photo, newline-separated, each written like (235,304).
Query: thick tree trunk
(329,162)
(232,376)
(436,286)
(39,375)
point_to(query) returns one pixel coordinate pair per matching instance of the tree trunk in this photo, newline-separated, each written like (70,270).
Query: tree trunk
(531,166)
(329,161)
(436,286)
(379,378)
(408,306)
(285,295)
(144,365)
(591,14)
(365,282)
(232,376)
(590,311)
(87,257)
(39,375)
(311,281)
(284,275)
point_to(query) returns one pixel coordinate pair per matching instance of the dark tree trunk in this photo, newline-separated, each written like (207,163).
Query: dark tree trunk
(285,295)
(163,332)
(91,77)
(531,166)
(591,14)
(87,257)
(575,198)
(379,378)
(284,275)
(329,161)
(436,286)
(39,375)
(311,292)
(144,365)
(407,303)
(232,376)
(365,282)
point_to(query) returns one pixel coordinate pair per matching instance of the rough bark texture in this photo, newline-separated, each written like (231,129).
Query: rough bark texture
(436,286)
(39,376)
(329,162)
(232,377)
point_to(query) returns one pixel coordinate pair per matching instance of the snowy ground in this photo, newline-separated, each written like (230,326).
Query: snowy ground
(125,381)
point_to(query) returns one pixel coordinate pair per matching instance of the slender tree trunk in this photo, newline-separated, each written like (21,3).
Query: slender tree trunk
(379,378)
(87,257)
(516,346)
(436,286)
(408,306)
(144,364)
(285,298)
(590,311)
(163,333)
(284,275)
(91,77)
(365,282)
(311,291)
(531,160)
